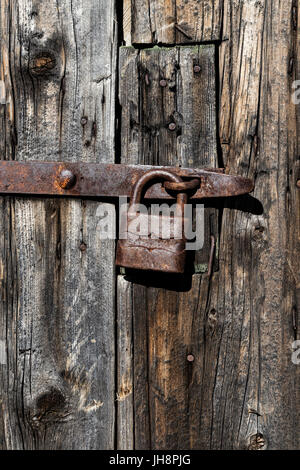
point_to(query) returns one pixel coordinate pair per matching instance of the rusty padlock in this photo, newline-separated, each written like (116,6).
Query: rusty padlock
(145,252)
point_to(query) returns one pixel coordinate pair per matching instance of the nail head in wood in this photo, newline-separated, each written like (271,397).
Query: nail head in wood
(172,126)
(163,83)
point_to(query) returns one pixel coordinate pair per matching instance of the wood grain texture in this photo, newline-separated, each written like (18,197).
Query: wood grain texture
(170,22)
(125,398)
(242,390)
(255,393)
(186,99)
(159,87)
(126,22)
(294,235)
(57,277)
(164,309)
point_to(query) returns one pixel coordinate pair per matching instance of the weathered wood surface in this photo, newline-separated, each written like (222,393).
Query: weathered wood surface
(125,386)
(169,22)
(242,390)
(159,87)
(256,382)
(57,278)
(164,310)
(58,387)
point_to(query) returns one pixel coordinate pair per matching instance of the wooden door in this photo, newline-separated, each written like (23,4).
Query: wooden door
(96,358)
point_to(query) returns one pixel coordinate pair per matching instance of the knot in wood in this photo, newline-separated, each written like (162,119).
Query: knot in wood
(257,442)
(42,64)
(83,247)
(212,319)
(50,401)
(50,407)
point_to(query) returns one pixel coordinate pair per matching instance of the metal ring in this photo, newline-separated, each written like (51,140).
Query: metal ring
(183,186)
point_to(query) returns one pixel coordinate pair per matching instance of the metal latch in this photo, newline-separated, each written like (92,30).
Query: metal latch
(134,181)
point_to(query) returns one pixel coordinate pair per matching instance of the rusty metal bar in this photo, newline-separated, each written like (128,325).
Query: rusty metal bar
(109,180)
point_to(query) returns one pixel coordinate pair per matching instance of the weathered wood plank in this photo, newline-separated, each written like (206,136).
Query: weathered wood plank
(175,344)
(159,87)
(125,428)
(169,22)
(255,393)
(57,291)
(58,62)
(164,310)
(243,389)
(294,235)
(126,24)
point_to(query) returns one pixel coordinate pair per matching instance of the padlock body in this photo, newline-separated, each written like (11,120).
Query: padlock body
(152,254)
(149,251)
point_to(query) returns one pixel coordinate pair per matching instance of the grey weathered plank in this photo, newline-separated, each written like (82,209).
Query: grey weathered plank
(169,22)
(125,428)
(58,63)
(188,100)
(254,399)
(164,310)
(242,388)
(126,21)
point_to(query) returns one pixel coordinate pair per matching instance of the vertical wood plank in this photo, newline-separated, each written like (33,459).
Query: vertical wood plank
(243,388)
(126,23)
(169,22)
(125,398)
(165,309)
(240,389)
(160,87)
(255,393)
(58,62)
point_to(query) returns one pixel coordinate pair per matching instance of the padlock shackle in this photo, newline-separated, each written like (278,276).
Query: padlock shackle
(160,175)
